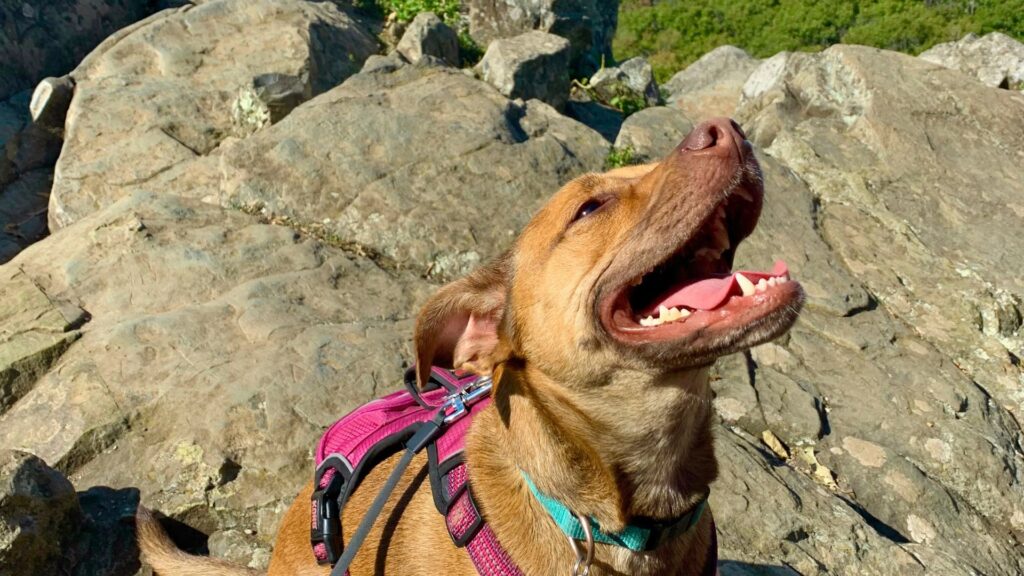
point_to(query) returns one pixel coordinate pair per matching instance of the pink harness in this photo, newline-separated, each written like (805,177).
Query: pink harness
(409,421)
(352,446)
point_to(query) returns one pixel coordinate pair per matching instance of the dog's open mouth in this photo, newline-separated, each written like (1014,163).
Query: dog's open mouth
(693,294)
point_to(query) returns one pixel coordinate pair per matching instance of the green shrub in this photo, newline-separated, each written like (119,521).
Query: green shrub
(624,100)
(406,10)
(619,157)
(674,33)
(469,51)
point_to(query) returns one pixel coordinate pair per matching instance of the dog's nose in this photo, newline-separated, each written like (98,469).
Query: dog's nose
(717,132)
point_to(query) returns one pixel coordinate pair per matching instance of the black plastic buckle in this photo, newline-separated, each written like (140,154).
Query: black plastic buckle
(328,520)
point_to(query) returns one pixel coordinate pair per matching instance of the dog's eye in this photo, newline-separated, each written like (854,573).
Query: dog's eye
(588,208)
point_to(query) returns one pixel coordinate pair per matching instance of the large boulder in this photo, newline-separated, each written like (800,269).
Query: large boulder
(34,332)
(23,205)
(531,65)
(898,393)
(218,349)
(49,38)
(652,133)
(163,92)
(633,78)
(39,515)
(427,35)
(424,168)
(589,25)
(27,152)
(711,86)
(995,59)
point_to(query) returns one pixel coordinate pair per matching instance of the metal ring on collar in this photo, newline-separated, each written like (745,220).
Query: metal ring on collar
(583,562)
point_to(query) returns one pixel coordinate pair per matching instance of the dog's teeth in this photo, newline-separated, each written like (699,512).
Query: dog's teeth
(773,281)
(785,278)
(762,285)
(745,284)
(649,321)
(684,313)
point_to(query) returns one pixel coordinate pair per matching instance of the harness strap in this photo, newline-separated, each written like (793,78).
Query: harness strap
(467,528)
(426,433)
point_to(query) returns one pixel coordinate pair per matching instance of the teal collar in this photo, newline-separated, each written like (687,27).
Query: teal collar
(640,535)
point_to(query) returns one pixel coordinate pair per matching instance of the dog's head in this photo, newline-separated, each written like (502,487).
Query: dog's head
(631,269)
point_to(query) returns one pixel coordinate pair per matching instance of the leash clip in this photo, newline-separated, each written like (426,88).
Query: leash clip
(457,405)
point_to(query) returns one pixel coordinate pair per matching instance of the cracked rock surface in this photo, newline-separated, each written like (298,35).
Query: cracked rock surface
(160,93)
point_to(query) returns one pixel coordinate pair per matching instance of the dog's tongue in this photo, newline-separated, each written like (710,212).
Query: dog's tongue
(710,293)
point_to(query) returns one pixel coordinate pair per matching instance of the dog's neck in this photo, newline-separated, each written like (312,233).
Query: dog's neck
(637,446)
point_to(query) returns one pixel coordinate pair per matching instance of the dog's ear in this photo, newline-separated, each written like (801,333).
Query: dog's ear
(459,326)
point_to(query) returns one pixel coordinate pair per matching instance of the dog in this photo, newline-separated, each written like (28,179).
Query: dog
(598,328)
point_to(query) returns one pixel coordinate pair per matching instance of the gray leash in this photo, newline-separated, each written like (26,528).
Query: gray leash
(419,440)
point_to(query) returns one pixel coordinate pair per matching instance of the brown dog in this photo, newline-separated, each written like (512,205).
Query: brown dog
(599,326)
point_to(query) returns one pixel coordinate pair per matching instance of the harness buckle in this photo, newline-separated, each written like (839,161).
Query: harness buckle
(457,405)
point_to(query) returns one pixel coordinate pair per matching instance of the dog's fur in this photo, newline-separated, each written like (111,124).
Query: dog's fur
(613,430)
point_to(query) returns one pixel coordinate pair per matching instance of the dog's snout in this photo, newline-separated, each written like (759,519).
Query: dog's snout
(721,133)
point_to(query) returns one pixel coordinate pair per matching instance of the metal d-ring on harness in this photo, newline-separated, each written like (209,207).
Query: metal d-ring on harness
(583,562)
(454,407)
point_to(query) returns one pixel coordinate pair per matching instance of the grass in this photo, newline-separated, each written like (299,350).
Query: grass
(674,33)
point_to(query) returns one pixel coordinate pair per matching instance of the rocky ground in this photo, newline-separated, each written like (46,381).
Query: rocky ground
(246,202)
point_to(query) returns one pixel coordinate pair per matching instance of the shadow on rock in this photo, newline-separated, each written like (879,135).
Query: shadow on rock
(732,568)
(106,541)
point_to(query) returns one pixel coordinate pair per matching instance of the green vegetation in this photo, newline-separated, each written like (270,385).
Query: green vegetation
(406,10)
(674,33)
(619,157)
(469,51)
(624,100)
(627,102)
(450,11)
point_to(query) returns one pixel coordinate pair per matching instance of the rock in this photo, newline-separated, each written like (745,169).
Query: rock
(50,101)
(106,544)
(14,119)
(711,86)
(531,65)
(383,64)
(652,133)
(161,93)
(428,35)
(39,515)
(995,59)
(606,120)
(890,381)
(23,212)
(34,332)
(269,99)
(588,24)
(25,145)
(239,546)
(48,38)
(27,153)
(634,78)
(381,161)
(276,332)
